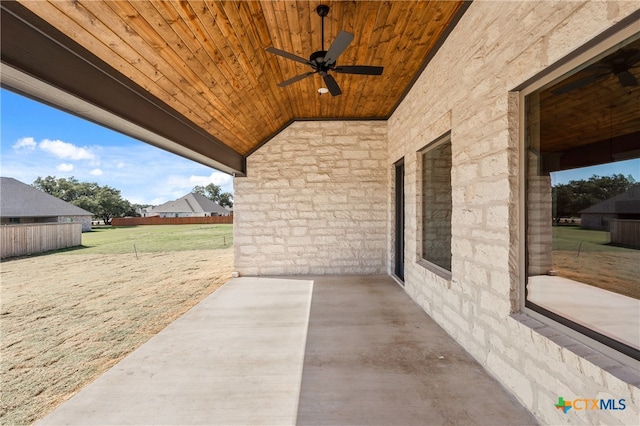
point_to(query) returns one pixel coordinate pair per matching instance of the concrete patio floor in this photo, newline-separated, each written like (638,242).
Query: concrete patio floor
(336,350)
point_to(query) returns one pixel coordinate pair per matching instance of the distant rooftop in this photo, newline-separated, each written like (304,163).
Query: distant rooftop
(191,203)
(627,202)
(18,199)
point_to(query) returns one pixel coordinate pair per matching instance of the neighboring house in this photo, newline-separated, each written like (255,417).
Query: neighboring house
(623,206)
(144,211)
(191,205)
(22,203)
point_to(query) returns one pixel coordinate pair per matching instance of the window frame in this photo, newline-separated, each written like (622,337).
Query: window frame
(605,43)
(420,259)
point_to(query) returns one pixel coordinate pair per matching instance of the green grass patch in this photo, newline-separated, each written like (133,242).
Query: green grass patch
(574,238)
(156,238)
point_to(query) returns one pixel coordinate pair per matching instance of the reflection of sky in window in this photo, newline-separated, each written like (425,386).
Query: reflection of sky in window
(627,167)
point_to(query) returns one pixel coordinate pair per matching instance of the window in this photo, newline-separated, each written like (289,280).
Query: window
(582,148)
(436,203)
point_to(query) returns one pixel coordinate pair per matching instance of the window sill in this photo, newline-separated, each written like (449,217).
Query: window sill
(439,271)
(608,359)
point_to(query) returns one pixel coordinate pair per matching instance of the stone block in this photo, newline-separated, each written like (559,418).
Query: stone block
(318,177)
(463,173)
(515,380)
(247,249)
(496,305)
(350,154)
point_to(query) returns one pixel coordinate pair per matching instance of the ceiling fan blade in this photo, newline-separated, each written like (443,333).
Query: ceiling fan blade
(627,79)
(634,59)
(288,55)
(332,85)
(581,82)
(359,69)
(337,47)
(296,78)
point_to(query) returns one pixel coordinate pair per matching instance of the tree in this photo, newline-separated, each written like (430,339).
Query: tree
(211,191)
(577,195)
(103,202)
(214,193)
(110,204)
(226,200)
(65,189)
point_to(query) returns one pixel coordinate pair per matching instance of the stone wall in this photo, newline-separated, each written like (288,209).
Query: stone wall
(84,220)
(314,202)
(466,90)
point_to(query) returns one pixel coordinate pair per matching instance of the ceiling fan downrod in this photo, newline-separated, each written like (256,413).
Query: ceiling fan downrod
(322,10)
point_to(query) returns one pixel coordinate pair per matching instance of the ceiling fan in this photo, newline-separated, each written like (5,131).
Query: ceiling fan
(324,61)
(618,64)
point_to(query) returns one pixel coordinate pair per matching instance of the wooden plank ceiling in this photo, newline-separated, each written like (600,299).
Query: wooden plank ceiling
(595,109)
(207,59)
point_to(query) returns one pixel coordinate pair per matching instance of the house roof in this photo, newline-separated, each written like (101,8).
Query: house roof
(199,74)
(190,203)
(625,203)
(18,199)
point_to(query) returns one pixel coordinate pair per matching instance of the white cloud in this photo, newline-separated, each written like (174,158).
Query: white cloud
(66,150)
(25,144)
(120,165)
(64,167)
(96,172)
(219,178)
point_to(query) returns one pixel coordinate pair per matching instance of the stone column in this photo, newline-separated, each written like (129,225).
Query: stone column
(539,196)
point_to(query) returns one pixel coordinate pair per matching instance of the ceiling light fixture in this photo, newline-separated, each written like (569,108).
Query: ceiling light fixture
(323,90)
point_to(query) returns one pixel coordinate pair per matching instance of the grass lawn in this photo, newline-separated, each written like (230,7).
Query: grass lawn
(156,238)
(585,255)
(68,316)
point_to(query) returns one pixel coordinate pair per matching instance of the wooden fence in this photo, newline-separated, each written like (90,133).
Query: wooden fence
(156,220)
(625,232)
(19,240)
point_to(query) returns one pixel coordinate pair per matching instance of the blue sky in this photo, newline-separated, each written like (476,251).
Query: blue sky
(37,140)
(627,167)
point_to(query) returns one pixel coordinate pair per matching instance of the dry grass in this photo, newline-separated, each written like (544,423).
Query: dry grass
(584,255)
(68,317)
(617,272)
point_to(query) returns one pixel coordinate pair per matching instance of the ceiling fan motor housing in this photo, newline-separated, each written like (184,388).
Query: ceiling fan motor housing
(318,57)
(318,63)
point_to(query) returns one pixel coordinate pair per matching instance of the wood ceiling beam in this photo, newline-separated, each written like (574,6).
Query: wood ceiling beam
(36,56)
(619,148)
